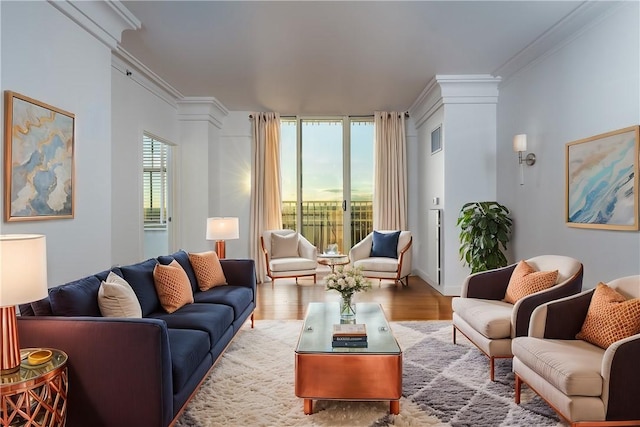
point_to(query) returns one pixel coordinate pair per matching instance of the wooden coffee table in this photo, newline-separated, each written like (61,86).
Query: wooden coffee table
(324,372)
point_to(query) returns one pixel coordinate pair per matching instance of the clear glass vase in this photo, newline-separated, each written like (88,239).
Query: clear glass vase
(347,309)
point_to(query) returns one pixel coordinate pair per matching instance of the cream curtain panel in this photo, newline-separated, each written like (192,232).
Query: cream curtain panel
(390,165)
(266,212)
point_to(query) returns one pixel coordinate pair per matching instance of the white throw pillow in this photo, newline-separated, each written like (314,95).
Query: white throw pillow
(117,299)
(284,246)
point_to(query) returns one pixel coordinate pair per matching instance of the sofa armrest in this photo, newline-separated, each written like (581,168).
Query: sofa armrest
(562,318)
(523,309)
(622,379)
(104,354)
(240,272)
(490,284)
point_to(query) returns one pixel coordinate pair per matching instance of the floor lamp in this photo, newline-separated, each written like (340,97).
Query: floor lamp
(221,229)
(23,279)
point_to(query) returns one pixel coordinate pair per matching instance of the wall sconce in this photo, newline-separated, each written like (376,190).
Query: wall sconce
(520,146)
(221,229)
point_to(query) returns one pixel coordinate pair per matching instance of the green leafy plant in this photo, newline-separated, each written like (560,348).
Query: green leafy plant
(485,230)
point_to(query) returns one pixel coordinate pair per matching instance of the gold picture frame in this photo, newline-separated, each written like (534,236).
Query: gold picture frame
(39,160)
(602,181)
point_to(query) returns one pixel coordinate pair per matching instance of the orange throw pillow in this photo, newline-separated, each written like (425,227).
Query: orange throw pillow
(610,318)
(206,266)
(525,280)
(172,285)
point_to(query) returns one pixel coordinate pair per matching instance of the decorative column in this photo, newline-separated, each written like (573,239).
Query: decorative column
(197,188)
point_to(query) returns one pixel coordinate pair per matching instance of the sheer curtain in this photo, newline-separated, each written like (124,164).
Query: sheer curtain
(266,212)
(390,165)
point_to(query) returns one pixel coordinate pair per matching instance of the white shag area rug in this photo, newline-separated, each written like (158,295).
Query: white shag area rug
(443,385)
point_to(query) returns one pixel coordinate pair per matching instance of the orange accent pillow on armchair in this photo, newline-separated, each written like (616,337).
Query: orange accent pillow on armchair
(610,318)
(525,280)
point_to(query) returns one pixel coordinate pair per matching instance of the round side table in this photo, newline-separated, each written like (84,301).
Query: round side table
(36,395)
(332,260)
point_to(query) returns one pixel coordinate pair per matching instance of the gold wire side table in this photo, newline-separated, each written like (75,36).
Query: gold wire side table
(36,395)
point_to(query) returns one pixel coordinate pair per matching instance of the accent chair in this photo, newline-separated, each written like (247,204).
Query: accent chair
(384,254)
(288,255)
(489,322)
(583,382)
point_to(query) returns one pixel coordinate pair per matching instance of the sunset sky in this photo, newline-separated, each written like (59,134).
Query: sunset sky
(322,160)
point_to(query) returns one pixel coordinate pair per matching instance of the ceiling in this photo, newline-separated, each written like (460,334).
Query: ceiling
(325,57)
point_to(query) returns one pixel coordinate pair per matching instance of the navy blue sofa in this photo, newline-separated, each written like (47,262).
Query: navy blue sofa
(138,372)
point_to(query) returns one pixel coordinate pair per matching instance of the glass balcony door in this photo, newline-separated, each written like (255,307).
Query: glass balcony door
(322,183)
(327,179)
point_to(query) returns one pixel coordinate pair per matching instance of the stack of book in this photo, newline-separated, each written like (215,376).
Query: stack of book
(349,335)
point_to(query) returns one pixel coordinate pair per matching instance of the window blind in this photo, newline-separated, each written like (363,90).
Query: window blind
(154,163)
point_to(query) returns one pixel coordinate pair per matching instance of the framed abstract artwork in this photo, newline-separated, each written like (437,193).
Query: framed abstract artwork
(39,160)
(602,181)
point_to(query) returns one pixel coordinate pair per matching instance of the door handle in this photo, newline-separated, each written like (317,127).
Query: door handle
(344,205)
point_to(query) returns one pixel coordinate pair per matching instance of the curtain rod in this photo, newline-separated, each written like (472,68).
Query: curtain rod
(406,114)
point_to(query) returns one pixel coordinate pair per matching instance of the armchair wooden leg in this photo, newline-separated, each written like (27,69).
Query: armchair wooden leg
(314,279)
(517,387)
(492,366)
(454,334)
(251,320)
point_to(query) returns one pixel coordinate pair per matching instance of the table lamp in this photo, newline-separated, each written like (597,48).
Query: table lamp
(23,279)
(221,229)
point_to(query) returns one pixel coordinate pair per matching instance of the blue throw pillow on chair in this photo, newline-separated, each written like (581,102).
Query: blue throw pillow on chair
(385,244)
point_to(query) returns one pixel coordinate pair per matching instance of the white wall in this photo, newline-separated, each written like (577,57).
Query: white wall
(200,120)
(234,165)
(587,87)
(48,57)
(430,184)
(470,175)
(136,109)
(414,217)
(464,171)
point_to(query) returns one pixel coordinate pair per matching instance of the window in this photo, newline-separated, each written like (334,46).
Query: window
(154,183)
(327,179)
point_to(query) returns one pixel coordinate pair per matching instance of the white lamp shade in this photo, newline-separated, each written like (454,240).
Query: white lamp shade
(222,229)
(23,268)
(520,142)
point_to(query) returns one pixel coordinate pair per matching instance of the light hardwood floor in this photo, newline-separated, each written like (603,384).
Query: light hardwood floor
(285,300)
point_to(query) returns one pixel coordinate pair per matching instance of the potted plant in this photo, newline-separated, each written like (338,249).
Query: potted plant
(485,230)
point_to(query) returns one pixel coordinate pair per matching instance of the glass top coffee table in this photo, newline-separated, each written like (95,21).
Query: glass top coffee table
(347,373)
(332,260)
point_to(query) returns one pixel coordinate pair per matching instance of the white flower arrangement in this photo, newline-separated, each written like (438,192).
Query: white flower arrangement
(347,281)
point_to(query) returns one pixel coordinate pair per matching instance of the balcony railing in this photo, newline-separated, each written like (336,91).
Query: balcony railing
(322,222)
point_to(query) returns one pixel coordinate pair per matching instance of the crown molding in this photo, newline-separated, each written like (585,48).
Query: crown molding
(454,89)
(469,89)
(563,32)
(427,103)
(143,75)
(202,109)
(139,75)
(105,20)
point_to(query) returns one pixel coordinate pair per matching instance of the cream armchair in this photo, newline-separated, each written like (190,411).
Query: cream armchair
(585,384)
(376,267)
(288,255)
(489,323)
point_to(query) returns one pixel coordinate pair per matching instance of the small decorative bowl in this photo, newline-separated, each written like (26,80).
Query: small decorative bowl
(39,357)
